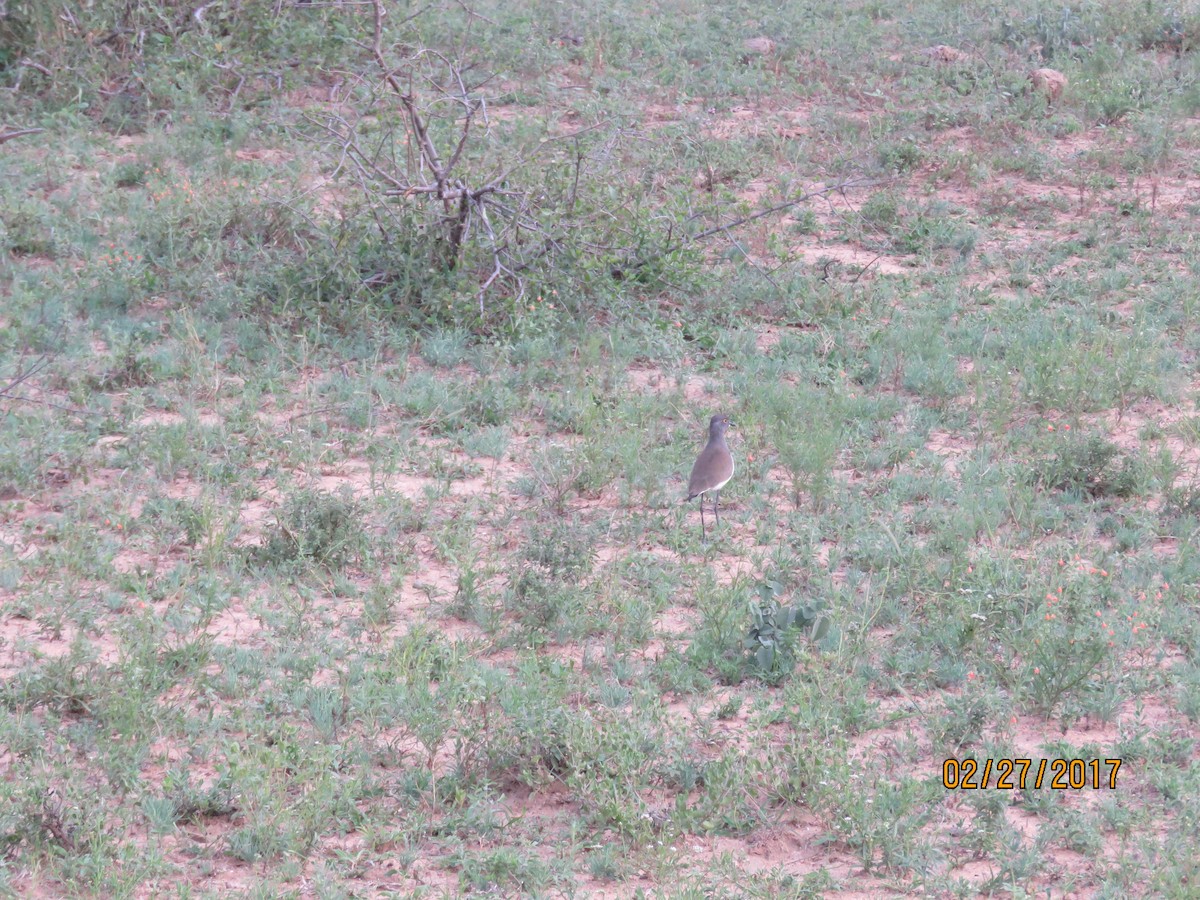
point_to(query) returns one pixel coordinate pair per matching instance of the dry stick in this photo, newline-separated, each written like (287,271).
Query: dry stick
(498,267)
(384,233)
(408,101)
(364,163)
(468,200)
(21,132)
(21,67)
(53,824)
(574,197)
(824,192)
(37,67)
(23,375)
(779,207)
(475,15)
(746,256)
(462,139)
(457,218)
(37,401)
(493,185)
(863,270)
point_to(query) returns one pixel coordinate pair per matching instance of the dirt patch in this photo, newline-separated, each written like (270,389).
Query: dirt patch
(950,447)
(741,121)
(271,155)
(693,388)
(856,258)
(796,846)
(25,641)
(162,417)
(235,625)
(131,560)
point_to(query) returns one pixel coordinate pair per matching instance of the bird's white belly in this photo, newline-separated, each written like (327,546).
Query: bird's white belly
(717,487)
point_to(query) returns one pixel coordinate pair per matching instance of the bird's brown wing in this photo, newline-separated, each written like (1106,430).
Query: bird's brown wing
(714,467)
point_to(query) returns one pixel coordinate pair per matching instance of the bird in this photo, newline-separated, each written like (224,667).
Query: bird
(713,468)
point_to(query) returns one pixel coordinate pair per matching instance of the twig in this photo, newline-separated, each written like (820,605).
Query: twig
(24,375)
(10,135)
(233,95)
(54,823)
(408,101)
(761,271)
(574,195)
(863,270)
(779,207)
(476,15)
(314,412)
(24,64)
(39,402)
(28,63)
(429,157)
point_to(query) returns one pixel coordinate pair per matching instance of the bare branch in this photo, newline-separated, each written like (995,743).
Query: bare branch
(407,100)
(863,270)
(24,64)
(37,67)
(6,136)
(24,374)
(746,256)
(462,139)
(476,15)
(780,207)
(37,401)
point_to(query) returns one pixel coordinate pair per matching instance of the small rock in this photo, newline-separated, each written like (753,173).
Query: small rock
(945,54)
(1049,82)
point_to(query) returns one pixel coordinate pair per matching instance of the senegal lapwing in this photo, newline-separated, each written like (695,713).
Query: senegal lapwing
(713,468)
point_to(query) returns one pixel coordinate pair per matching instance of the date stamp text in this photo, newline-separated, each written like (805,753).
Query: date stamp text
(1018,774)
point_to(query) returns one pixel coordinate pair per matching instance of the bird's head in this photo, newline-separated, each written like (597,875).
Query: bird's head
(719,424)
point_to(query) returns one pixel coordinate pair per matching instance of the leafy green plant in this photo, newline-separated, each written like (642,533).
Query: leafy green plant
(314,526)
(1089,465)
(770,641)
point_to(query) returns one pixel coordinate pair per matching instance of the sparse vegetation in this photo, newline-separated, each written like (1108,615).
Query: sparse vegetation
(351,366)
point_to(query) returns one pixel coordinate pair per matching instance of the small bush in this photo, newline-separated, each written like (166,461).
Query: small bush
(565,551)
(1091,466)
(315,526)
(771,641)
(900,157)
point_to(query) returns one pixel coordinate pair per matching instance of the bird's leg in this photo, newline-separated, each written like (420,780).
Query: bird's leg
(703,536)
(717,506)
